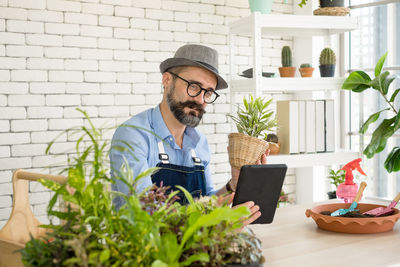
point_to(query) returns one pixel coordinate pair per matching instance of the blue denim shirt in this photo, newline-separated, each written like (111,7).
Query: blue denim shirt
(146,148)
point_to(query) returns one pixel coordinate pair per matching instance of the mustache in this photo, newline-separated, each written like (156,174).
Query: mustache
(193,105)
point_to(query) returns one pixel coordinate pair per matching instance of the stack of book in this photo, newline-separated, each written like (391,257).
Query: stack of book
(306,126)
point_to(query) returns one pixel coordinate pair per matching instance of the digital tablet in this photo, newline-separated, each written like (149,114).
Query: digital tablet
(261,184)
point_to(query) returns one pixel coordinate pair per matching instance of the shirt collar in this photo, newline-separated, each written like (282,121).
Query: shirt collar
(191,136)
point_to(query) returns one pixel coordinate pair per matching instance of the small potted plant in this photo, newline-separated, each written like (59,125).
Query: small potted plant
(306,70)
(336,178)
(262,6)
(327,63)
(150,229)
(273,143)
(252,121)
(287,70)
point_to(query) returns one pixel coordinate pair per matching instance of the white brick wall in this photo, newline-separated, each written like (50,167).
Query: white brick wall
(102,56)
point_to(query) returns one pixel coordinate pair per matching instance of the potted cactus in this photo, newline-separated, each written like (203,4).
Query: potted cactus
(287,70)
(306,70)
(327,63)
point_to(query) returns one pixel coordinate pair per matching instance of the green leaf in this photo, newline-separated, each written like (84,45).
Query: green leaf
(187,194)
(392,162)
(357,81)
(104,255)
(379,137)
(146,172)
(385,79)
(159,263)
(379,65)
(394,95)
(370,120)
(396,123)
(196,257)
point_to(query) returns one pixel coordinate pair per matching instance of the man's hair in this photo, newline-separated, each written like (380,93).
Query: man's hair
(177,70)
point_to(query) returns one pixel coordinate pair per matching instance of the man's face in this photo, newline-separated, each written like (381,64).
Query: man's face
(186,109)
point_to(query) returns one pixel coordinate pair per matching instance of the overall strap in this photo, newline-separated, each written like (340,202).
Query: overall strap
(195,159)
(162,156)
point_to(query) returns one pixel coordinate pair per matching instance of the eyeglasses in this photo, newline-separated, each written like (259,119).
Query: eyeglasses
(194,89)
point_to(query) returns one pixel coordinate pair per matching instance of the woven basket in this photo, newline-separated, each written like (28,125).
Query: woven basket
(245,150)
(332,11)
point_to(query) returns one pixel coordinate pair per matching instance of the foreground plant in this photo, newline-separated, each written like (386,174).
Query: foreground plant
(359,81)
(151,229)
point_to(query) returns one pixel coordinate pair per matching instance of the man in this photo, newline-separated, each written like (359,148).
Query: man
(170,141)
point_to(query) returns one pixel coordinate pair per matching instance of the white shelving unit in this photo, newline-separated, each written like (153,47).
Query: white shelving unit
(303,28)
(314,159)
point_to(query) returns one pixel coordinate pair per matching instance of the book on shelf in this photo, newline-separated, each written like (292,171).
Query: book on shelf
(288,126)
(320,126)
(302,126)
(310,126)
(329,125)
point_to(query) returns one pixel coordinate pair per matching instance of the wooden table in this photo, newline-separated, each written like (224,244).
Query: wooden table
(295,240)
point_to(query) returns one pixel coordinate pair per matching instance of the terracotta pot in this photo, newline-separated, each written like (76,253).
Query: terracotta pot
(287,71)
(352,225)
(274,148)
(306,72)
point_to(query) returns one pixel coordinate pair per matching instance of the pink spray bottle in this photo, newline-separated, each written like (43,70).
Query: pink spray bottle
(348,190)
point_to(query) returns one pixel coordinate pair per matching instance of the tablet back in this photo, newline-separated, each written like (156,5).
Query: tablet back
(261,184)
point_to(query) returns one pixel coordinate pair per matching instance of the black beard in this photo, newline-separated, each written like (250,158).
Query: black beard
(177,108)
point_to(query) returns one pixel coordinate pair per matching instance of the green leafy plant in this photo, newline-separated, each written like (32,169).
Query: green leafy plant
(327,56)
(306,65)
(255,118)
(286,56)
(336,177)
(150,229)
(359,81)
(302,3)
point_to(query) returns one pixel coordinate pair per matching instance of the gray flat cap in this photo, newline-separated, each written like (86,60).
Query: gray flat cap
(198,56)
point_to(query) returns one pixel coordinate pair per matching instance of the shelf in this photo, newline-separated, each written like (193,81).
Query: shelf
(289,85)
(315,159)
(293,25)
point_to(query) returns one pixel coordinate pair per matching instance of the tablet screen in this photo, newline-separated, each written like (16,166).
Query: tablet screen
(261,184)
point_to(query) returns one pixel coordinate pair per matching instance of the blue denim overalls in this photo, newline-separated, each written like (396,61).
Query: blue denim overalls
(191,178)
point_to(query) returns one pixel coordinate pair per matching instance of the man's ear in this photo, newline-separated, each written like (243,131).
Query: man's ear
(166,79)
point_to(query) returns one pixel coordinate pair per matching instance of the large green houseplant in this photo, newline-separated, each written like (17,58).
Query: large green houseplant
(359,81)
(151,229)
(253,120)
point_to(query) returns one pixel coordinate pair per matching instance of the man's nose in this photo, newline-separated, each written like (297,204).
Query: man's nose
(200,98)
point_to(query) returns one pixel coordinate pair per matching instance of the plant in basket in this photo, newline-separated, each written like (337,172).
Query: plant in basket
(150,229)
(252,121)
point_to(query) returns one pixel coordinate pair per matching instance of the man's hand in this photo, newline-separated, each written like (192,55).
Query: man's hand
(254,212)
(235,172)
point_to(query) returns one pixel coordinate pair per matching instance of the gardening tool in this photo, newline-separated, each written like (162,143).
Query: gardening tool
(384,210)
(348,189)
(354,204)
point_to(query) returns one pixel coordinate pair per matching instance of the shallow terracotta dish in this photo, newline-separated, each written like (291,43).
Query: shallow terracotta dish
(352,225)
